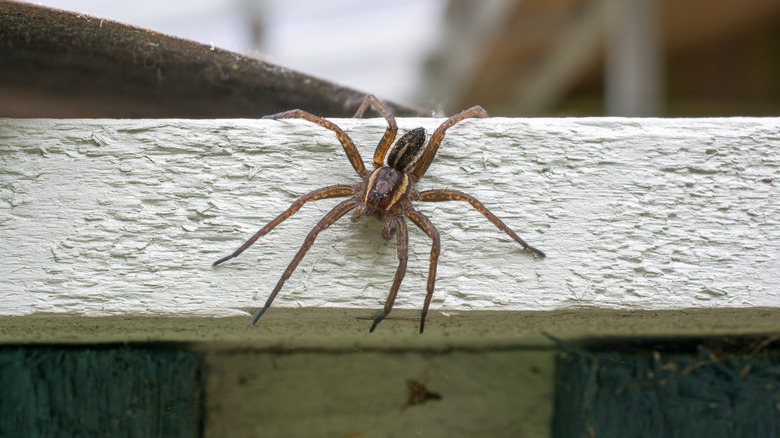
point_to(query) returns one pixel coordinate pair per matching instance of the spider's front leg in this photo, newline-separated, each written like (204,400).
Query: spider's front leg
(403,255)
(324,223)
(427,226)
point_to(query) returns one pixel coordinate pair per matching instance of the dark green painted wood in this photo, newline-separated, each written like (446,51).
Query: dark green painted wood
(107,392)
(655,394)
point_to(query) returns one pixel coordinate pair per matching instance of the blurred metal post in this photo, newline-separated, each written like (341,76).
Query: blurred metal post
(634,66)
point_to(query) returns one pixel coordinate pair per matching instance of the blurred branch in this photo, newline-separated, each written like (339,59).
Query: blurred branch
(64,64)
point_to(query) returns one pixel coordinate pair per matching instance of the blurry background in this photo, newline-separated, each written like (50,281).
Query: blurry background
(515,58)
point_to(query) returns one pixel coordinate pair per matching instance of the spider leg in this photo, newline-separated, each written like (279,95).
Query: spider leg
(390,132)
(349,146)
(427,226)
(324,223)
(323,193)
(438,135)
(454,195)
(403,254)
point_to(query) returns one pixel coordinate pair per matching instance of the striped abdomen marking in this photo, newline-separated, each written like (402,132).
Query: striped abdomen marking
(407,150)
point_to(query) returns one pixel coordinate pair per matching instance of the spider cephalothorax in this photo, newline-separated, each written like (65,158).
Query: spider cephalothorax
(385,193)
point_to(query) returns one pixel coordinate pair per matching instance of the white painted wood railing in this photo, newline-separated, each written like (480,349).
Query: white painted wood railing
(651,227)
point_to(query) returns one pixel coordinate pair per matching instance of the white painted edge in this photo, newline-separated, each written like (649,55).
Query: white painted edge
(124,217)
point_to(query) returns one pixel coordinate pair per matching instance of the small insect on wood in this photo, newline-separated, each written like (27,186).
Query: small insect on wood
(386,193)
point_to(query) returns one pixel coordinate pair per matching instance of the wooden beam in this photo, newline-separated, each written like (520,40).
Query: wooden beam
(65,64)
(651,227)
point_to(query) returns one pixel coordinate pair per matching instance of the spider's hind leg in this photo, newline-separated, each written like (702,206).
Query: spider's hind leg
(349,146)
(438,136)
(390,132)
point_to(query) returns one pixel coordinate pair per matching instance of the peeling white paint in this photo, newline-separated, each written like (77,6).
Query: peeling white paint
(124,217)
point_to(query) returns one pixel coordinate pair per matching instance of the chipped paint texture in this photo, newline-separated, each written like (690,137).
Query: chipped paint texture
(124,217)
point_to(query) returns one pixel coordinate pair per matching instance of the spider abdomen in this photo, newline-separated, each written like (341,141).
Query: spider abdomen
(407,150)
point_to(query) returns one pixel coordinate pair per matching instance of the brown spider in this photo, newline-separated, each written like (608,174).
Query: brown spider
(385,193)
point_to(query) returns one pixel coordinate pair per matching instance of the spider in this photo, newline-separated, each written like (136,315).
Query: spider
(386,193)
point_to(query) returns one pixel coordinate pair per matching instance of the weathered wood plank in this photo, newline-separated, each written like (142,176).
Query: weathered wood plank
(124,217)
